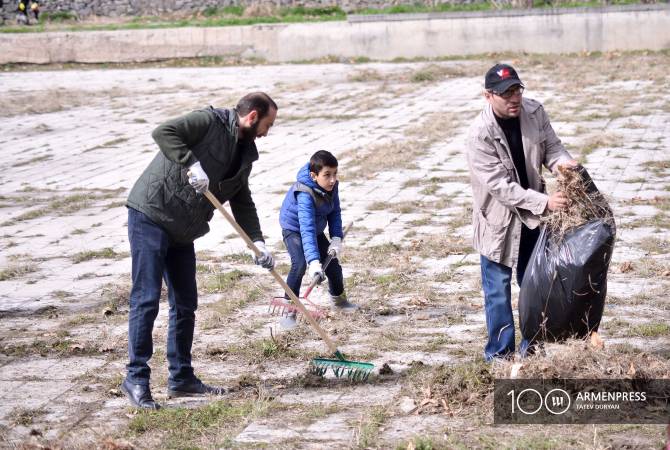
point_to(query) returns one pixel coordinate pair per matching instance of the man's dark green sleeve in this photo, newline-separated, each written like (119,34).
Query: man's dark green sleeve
(176,136)
(244,210)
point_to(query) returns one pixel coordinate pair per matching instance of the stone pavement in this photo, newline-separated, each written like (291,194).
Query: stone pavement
(77,140)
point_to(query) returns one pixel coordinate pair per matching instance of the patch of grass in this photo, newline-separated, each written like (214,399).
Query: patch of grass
(87,276)
(592,143)
(237,258)
(460,386)
(461,220)
(105,253)
(430,190)
(220,282)
(420,222)
(367,435)
(17,270)
(236,301)
(436,344)
(651,268)
(421,443)
(635,180)
(60,294)
(366,75)
(654,245)
(58,16)
(657,167)
(260,350)
(320,410)
(413,182)
(59,347)
(34,160)
(200,427)
(115,295)
(432,73)
(393,283)
(64,205)
(402,153)
(25,416)
(117,204)
(653,329)
(81,319)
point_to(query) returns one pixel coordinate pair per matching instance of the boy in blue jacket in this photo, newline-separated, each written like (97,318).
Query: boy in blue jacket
(311,204)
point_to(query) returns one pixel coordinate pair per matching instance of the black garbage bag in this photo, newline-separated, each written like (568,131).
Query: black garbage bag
(565,284)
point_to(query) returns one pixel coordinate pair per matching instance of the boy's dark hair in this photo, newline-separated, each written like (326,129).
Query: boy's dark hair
(321,159)
(258,101)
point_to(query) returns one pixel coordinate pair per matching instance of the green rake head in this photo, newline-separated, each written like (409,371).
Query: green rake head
(353,370)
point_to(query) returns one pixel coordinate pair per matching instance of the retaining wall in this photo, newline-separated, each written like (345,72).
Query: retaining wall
(376,37)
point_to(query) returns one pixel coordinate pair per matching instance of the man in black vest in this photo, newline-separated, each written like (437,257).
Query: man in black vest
(207,149)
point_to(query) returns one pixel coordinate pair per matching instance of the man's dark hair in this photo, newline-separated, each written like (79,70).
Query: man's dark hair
(258,101)
(321,159)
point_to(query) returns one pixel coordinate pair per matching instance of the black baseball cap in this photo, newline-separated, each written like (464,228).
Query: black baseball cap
(501,77)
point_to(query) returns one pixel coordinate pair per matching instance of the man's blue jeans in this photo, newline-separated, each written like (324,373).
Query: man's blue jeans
(155,258)
(497,287)
(293,243)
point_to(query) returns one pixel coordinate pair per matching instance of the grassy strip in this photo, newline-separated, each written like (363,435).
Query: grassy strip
(239,15)
(212,17)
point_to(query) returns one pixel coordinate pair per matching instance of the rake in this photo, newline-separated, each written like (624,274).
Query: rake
(354,370)
(280,305)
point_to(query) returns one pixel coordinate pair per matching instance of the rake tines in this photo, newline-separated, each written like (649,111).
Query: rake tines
(282,307)
(353,370)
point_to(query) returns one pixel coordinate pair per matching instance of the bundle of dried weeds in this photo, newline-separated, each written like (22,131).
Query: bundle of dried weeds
(578,359)
(585,203)
(452,388)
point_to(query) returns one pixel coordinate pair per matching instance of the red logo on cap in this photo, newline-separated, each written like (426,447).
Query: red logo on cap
(503,73)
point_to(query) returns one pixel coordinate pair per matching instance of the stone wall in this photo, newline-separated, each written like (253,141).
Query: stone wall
(639,27)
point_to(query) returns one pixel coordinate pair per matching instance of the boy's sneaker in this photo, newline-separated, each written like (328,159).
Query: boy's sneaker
(289,322)
(341,302)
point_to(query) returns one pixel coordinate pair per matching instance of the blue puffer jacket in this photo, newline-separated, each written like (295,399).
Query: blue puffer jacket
(300,213)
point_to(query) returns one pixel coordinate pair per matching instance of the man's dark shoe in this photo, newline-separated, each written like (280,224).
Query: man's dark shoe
(195,387)
(139,395)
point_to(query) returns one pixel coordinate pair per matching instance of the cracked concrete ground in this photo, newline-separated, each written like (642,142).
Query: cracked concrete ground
(74,141)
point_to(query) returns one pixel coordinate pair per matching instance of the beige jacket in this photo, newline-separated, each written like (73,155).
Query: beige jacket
(500,204)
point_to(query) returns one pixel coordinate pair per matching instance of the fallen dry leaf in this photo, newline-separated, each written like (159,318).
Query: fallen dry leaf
(596,341)
(625,267)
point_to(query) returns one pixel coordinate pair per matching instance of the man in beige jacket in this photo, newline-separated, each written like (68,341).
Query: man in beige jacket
(508,144)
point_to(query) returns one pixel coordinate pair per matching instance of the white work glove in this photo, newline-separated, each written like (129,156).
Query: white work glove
(335,247)
(198,178)
(266,260)
(314,270)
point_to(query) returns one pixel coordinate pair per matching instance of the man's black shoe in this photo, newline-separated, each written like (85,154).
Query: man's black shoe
(195,387)
(139,395)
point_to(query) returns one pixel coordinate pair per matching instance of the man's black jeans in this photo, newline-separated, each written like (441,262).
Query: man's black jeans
(154,258)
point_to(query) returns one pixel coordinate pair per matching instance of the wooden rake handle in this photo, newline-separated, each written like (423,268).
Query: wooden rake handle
(320,331)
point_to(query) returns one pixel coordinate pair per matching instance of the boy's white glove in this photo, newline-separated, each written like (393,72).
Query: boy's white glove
(315,270)
(266,260)
(198,178)
(335,247)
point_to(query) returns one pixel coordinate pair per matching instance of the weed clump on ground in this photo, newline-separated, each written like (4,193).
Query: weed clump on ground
(448,388)
(16,271)
(578,359)
(105,253)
